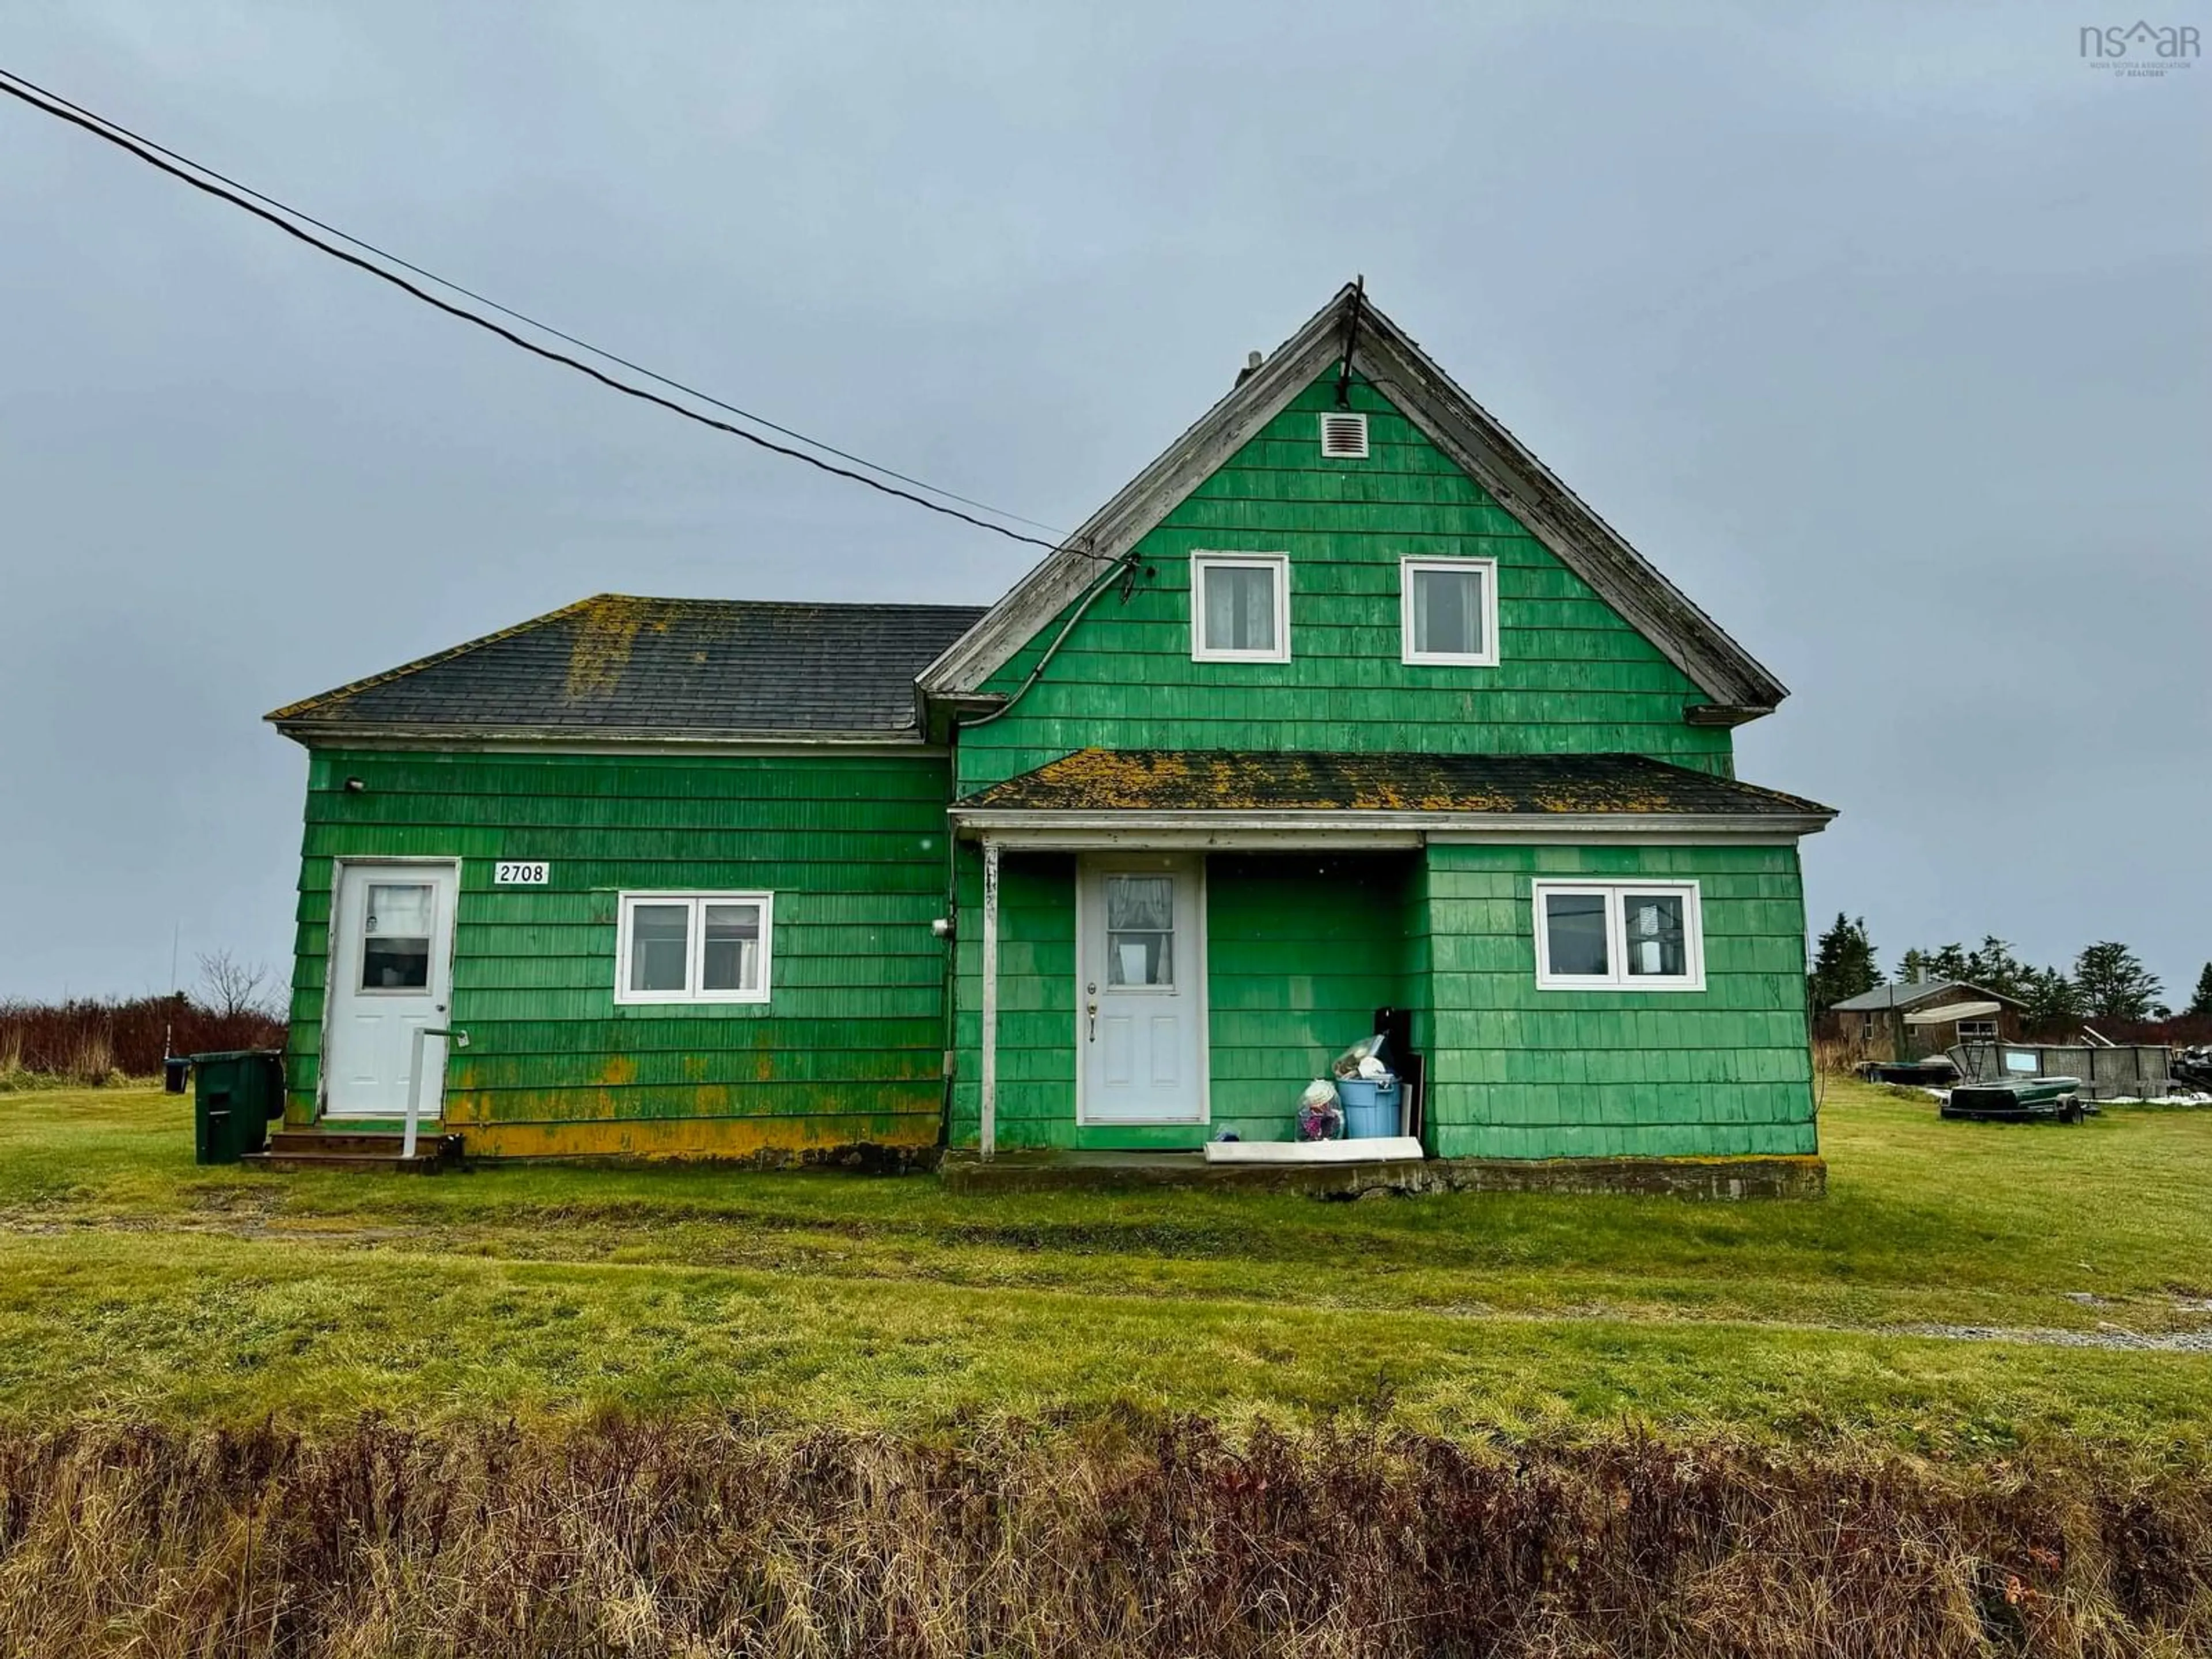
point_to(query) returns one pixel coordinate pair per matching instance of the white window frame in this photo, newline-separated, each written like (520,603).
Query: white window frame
(1279,565)
(1485,658)
(1616,976)
(1985,1030)
(695,948)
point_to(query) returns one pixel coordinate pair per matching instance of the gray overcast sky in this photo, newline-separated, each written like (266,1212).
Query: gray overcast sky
(1883,331)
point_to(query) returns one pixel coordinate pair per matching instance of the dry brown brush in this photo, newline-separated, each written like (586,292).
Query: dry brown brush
(89,1040)
(1109,1539)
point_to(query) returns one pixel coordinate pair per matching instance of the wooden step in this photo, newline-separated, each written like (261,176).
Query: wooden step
(310,1149)
(375,1141)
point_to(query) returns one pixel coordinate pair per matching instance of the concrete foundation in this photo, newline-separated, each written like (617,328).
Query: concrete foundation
(1722,1179)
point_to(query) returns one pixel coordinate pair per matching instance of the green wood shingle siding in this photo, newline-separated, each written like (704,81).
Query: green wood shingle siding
(852,847)
(1516,1072)
(1574,676)
(1304,949)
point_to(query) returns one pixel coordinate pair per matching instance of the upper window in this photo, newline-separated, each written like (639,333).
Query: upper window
(1240,607)
(693,947)
(1977,1030)
(1449,611)
(1631,936)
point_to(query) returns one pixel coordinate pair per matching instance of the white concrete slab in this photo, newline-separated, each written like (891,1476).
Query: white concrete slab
(1383,1149)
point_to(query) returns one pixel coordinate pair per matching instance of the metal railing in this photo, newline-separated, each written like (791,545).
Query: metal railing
(460,1040)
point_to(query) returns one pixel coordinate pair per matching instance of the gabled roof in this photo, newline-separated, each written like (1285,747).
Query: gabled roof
(1912,994)
(615,667)
(1238,781)
(1384,355)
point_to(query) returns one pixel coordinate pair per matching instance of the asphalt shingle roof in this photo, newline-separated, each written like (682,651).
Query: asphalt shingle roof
(1167,779)
(618,664)
(1910,994)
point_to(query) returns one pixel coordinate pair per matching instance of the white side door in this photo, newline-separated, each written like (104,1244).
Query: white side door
(391,974)
(1140,990)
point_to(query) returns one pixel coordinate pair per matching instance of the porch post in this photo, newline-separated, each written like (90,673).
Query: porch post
(990,1105)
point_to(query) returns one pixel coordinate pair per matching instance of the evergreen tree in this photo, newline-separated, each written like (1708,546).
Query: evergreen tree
(1844,962)
(2114,984)
(1912,965)
(1946,961)
(1994,967)
(2200,1005)
(2053,1004)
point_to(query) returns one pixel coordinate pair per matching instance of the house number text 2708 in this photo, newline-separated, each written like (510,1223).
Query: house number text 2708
(522,873)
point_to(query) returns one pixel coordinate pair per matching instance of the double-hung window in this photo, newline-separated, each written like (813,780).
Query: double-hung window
(1977,1030)
(1240,607)
(1448,611)
(1623,936)
(693,947)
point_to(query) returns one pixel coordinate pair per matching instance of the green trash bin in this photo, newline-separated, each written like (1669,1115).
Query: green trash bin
(233,1096)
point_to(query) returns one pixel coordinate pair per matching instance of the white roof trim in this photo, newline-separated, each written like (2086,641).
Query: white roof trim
(1456,423)
(474,740)
(1037,827)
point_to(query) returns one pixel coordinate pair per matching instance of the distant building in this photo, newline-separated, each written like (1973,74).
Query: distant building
(1876,1023)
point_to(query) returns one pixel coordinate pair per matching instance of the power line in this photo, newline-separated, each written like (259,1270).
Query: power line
(385,254)
(146,150)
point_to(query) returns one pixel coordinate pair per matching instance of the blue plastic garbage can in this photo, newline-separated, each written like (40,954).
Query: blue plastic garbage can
(1371,1107)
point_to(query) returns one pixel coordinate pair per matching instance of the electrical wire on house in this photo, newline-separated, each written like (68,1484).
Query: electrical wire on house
(276,213)
(1127,566)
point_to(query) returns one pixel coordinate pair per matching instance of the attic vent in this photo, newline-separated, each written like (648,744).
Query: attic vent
(1344,437)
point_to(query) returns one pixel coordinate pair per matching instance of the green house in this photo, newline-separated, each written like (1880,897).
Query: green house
(1344,704)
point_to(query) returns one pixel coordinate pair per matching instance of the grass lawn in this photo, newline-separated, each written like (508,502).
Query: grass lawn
(132,1284)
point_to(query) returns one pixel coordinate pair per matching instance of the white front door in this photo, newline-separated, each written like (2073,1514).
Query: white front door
(391,974)
(1140,990)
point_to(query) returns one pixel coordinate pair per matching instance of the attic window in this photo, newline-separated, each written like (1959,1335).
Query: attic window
(1344,437)
(1448,611)
(1240,607)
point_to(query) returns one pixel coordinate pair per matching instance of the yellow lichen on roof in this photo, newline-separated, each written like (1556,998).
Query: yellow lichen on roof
(1203,781)
(599,650)
(1596,797)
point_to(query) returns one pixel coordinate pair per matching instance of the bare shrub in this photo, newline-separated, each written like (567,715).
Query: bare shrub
(1112,1539)
(233,990)
(1836,1056)
(63,1039)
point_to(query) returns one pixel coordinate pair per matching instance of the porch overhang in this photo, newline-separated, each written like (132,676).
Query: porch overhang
(1203,799)
(1200,800)
(1352,829)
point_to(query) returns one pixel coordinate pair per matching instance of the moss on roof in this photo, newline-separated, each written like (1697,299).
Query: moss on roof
(617,662)
(1218,780)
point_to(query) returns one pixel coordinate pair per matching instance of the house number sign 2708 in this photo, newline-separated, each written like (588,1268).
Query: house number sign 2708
(522,873)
